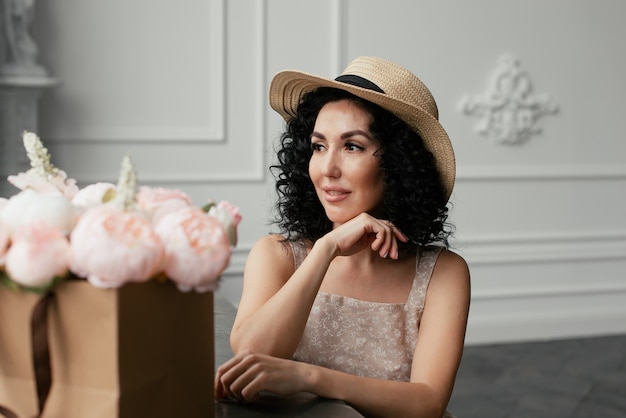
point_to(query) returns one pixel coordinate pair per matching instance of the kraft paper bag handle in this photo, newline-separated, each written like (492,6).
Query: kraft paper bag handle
(41,350)
(7,412)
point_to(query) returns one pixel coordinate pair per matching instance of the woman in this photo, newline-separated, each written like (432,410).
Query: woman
(334,304)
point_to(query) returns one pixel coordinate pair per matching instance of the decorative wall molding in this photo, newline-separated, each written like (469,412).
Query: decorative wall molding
(541,172)
(254,168)
(213,127)
(180,181)
(553,291)
(518,311)
(531,248)
(549,247)
(529,325)
(208,123)
(508,111)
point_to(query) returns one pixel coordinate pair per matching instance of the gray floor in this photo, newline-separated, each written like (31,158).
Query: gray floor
(565,378)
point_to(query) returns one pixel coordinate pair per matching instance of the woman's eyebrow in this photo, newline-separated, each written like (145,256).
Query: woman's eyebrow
(345,135)
(356,132)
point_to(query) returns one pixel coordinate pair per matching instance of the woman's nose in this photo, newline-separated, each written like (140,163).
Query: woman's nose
(330,165)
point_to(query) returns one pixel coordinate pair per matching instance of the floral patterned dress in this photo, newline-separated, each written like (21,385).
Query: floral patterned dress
(365,338)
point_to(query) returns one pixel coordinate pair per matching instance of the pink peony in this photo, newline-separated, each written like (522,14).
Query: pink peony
(158,201)
(111,247)
(197,249)
(228,214)
(29,207)
(37,255)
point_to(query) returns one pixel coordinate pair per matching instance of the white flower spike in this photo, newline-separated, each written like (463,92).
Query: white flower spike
(39,156)
(126,186)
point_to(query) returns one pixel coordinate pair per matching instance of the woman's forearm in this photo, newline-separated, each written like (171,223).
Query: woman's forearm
(276,327)
(376,397)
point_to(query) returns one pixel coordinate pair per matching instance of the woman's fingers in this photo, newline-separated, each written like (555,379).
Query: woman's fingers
(363,231)
(248,375)
(228,379)
(399,235)
(383,241)
(386,239)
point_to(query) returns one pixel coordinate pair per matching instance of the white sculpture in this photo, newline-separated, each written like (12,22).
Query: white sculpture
(509,110)
(21,50)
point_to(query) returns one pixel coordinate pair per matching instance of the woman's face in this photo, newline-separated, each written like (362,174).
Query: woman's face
(344,167)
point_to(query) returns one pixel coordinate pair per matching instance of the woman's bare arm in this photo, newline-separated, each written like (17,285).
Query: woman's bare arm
(276,301)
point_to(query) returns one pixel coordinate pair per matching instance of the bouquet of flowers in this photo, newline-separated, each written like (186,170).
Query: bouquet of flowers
(109,234)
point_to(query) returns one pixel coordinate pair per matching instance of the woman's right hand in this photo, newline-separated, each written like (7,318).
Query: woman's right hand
(366,231)
(247,374)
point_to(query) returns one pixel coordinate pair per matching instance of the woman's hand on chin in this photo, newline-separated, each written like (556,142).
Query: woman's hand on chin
(366,231)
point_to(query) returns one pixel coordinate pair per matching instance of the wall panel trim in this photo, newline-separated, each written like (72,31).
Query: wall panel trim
(549,247)
(529,326)
(540,172)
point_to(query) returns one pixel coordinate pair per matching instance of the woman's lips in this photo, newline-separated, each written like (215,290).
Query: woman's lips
(335,194)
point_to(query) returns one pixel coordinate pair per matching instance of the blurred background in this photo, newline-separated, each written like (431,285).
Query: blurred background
(531,93)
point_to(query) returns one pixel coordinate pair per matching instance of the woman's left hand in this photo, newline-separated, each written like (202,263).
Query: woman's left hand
(246,375)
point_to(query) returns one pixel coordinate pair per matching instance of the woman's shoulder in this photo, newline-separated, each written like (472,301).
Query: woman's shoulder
(278,250)
(272,244)
(451,259)
(451,269)
(442,257)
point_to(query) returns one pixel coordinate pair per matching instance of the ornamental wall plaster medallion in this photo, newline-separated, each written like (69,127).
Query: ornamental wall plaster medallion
(508,111)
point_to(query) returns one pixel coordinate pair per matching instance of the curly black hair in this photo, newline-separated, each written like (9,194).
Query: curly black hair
(414,198)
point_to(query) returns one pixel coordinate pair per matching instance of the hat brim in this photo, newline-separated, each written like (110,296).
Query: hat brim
(288,87)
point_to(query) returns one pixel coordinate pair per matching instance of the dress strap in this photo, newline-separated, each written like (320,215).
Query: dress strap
(425,264)
(299,253)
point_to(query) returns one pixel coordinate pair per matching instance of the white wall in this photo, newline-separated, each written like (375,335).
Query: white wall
(181,86)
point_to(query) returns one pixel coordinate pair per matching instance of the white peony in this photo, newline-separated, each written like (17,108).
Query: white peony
(28,207)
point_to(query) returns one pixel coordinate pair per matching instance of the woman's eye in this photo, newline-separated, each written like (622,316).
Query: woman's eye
(353,147)
(316,147)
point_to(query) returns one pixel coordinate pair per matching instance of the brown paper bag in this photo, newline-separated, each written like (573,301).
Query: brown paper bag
(143,350)
(18,391)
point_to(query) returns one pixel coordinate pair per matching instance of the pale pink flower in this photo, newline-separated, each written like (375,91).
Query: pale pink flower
(158,201)
(57,184)
(197,249)
(111,247)
(38,254)
(94,195)
(43,177)
(29,206)
(228,214)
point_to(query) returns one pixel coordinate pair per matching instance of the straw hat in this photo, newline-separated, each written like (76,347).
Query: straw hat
(390,86)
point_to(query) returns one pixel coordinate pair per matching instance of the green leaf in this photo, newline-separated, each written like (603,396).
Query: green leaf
(6,281)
